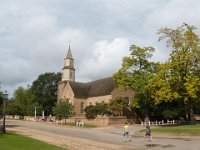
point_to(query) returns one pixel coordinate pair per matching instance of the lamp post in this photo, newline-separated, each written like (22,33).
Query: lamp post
(5,96)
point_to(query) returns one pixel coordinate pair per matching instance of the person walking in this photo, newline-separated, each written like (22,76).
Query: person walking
(148,133)
(126,133)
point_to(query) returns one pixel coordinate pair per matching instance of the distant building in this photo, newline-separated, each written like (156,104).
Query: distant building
(85,94)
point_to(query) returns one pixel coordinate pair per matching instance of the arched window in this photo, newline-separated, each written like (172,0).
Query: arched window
(82,107)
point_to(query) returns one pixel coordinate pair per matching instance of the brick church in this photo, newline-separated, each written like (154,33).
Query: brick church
(85,94)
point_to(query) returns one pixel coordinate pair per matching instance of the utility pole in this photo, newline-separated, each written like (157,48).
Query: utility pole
(5,95)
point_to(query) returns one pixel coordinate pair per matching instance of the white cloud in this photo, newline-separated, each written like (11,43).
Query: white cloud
(34,34)
(104,59)
(173,14)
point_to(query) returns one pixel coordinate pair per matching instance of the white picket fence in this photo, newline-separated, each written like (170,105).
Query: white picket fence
(162,122)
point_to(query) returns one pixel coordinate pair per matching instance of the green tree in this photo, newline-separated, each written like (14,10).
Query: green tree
(23,103)
(135,74)
(179,77)
(90,112)
(13,108)
(170,113)
(44,89)
(64,109)
(117,106)
(21,100)
(102,108)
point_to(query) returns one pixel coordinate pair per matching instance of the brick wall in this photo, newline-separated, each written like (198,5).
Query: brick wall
(100,120)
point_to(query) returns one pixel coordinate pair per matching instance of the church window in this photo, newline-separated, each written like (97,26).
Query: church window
(82,107)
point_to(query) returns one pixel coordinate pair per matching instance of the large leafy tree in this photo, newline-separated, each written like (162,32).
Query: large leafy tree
(44,89)
(135,74)
(179,77)
(22,103)
(64,109)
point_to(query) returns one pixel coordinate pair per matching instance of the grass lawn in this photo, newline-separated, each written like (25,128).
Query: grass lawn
(187,129)
(12,141)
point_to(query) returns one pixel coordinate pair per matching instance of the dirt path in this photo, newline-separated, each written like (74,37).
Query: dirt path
(69,143)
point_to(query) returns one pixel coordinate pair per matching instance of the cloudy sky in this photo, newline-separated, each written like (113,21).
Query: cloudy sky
(35,34)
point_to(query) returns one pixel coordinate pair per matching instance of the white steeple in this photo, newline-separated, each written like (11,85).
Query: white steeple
(68,73)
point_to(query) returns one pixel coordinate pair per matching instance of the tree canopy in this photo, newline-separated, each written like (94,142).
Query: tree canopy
(40,95)
(176,81)
(135,74)
(44,89)
(64,109)
(178,78)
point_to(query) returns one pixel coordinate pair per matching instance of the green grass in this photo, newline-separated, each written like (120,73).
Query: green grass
(185,129)
(12,141)
(85,125)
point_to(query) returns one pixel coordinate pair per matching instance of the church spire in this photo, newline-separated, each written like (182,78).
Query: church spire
(68,73)
(69,54)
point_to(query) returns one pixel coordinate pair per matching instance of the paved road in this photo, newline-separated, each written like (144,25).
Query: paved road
(113,135)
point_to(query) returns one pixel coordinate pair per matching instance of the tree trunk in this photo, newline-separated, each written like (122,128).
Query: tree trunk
(190,113)
(146,119)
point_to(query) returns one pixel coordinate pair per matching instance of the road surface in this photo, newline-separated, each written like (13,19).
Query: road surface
(103,138)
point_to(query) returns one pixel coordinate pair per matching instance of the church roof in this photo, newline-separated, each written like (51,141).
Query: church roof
(69,54)
(99,87)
